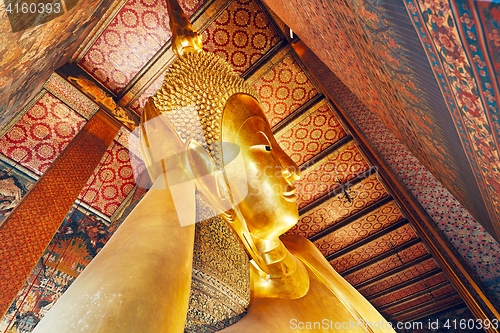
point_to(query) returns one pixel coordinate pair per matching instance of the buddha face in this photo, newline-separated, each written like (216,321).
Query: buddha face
(269,208)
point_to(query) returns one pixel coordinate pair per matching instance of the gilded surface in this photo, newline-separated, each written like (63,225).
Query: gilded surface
(220,287)
(101,97)
(201,104)
(194,100)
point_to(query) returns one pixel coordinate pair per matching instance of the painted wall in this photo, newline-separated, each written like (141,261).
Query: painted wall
(28,57)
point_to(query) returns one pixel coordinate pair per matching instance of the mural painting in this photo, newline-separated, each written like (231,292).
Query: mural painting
(14,184)
(24,65)
(81,236)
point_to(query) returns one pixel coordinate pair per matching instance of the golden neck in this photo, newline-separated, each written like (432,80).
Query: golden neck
(284,276)
(287,278)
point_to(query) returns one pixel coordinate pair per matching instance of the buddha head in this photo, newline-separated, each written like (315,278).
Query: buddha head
(205,119)
(269,208)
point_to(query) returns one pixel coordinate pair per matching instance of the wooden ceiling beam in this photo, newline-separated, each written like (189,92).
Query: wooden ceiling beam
(413,296)
(405,284)
(393,271)
(297,113)
(348,219)
(424,304)
(423,314)
(380,257)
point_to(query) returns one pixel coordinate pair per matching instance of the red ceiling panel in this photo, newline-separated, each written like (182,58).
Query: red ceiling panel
(111,182)
(405,275)
(283,89)
(378,219)
(453,299)
(374,248)
(432,296)
(41,134)
(343,164)
(409,304)
(407,291)
(369,190)
(412,253)
(240,35)
(443,291)
(387,264)
(313,134)
(133,37)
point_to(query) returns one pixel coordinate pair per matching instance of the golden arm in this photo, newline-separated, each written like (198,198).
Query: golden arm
(140,281)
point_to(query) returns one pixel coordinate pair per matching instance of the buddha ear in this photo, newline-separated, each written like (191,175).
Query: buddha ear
(209,181)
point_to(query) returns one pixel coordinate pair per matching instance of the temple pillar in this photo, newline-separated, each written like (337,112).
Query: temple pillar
(33,223)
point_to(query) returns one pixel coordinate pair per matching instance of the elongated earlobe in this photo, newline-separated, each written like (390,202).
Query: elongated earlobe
(222,188)
(209,181)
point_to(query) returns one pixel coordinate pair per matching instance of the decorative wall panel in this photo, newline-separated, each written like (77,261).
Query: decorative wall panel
(458,41)
(38,138)
(25,65)
(80,237)
(133,37)
(487,14)
(283,89)
(241,35)
(311,135)
(369,190)
(24,241)
(111,182)
(343,164)
(14,184)
(366,225)
(130,141)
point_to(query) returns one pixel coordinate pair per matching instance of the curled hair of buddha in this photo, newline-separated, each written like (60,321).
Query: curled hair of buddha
(194,93)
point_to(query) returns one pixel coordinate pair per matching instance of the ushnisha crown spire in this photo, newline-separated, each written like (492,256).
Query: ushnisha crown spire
(184,38)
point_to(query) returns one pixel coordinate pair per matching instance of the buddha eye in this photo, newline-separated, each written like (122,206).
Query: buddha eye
(262,147)
(261,142)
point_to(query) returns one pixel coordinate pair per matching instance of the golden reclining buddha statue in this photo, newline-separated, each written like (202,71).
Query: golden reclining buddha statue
(212,156)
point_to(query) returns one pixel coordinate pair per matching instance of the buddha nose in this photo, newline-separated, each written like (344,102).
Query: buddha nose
(290,170)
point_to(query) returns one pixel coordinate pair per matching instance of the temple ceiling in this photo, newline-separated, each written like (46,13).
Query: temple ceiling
(429,72)
(345,207)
